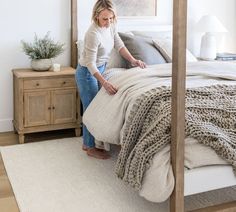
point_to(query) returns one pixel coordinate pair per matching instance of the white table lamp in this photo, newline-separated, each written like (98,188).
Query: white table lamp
(210,25)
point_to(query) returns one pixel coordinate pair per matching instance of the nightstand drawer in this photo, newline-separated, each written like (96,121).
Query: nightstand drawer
(49,83)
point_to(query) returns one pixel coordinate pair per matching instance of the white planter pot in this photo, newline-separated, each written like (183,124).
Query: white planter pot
(41,64)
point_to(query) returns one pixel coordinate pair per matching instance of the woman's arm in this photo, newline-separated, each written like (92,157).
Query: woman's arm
(124,52)
(107,85)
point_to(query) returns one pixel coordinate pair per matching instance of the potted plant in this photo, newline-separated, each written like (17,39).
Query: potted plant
(41,51)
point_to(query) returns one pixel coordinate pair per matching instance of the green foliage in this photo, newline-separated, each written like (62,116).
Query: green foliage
(42,48)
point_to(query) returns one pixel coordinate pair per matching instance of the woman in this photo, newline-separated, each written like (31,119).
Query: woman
(100,39)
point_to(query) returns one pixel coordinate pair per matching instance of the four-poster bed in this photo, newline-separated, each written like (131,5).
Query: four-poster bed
(178,98)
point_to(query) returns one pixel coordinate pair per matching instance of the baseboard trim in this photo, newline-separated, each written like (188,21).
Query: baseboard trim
(6,125)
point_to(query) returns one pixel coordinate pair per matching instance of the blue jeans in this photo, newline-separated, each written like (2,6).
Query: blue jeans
(88,87)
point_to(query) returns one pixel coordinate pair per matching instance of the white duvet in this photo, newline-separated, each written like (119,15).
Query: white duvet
(106,115)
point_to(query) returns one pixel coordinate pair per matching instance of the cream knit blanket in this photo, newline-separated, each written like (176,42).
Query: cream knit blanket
(210,118)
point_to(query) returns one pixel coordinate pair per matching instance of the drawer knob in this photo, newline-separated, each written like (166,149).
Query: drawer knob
(49,108)
(53,108)
(64,82)
(37,84)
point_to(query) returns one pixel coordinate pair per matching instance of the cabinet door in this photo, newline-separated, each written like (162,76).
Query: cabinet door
(64,106)
(37,108)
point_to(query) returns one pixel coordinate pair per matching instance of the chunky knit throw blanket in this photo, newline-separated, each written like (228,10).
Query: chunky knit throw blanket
(210,118)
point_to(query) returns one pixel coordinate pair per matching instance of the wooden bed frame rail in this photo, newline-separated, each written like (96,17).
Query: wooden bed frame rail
(178,102)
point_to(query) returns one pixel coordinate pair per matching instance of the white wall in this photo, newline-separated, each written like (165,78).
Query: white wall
(225,10)
(164,14)
(21,19)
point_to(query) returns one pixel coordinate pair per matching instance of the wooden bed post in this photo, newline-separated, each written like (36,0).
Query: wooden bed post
(74,34)
(178,103)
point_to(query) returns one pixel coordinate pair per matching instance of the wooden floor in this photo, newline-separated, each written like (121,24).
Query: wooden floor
(7,198)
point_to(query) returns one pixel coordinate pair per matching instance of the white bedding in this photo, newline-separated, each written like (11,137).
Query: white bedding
(106,115)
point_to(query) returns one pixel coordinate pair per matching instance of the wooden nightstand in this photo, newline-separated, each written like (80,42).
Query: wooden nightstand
(45,101)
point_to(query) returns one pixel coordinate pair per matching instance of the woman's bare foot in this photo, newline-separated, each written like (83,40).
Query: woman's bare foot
(85,148)
(97,153)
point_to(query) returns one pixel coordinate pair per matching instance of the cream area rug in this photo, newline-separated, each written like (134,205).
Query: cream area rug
(57,176)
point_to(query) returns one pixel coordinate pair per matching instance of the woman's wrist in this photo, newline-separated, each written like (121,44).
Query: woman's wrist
(133,60)
(104,82)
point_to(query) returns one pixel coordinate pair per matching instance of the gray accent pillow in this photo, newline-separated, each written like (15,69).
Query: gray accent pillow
(142,49)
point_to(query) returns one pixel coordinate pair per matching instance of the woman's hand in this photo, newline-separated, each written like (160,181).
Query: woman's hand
(109,87)
(124,52)
(139,63)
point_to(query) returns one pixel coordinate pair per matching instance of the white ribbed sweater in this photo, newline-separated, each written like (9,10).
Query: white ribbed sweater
(98,43)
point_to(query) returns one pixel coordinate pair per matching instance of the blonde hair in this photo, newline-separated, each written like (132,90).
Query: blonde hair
(101,5)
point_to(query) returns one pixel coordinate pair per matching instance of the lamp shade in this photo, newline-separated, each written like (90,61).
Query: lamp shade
(210,23)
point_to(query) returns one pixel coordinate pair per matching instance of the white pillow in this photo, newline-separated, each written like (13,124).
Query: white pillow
(164,45)
(116,60)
